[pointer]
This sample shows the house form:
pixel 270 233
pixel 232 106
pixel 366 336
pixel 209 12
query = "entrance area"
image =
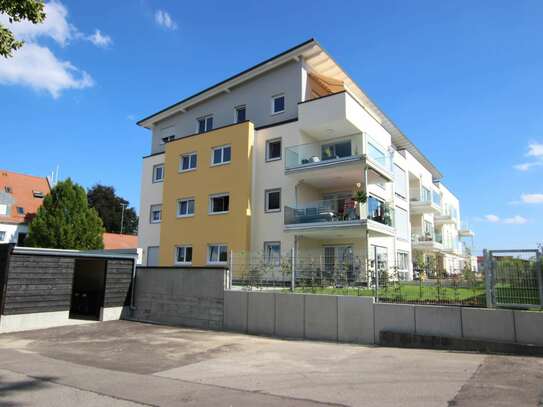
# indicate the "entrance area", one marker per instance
pixel 88 288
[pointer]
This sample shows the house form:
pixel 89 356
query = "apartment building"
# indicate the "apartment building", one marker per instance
pixel 20 197
pixel 269 161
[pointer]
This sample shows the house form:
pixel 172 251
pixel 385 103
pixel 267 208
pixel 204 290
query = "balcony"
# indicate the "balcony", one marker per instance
pixel 425 202
pixel 340 218
pixel 427 242
pixel 444 219
pixel 318 161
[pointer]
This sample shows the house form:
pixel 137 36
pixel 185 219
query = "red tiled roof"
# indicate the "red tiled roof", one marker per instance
pixel 116 241
pixel 21 188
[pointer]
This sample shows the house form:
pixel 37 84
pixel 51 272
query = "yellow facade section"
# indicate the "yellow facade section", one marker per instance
pixel 199 231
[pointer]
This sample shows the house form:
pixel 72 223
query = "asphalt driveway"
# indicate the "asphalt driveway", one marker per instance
pixel 127 363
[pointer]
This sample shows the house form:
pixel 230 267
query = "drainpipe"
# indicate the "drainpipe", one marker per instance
pixel 133 291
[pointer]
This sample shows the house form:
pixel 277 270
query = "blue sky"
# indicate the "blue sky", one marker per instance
pixel 462 79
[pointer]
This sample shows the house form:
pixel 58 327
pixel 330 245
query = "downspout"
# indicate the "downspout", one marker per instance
pixel 133 291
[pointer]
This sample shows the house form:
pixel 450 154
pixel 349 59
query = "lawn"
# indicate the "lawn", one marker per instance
pixel 409 292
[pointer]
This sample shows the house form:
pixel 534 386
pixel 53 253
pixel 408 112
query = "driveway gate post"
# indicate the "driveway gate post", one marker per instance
pixel 488 268
pixel 539 273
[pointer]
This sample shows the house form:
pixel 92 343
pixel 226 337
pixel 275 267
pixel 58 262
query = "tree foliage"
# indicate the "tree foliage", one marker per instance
pixel 18 10
pixel 110 206
pixel 65 221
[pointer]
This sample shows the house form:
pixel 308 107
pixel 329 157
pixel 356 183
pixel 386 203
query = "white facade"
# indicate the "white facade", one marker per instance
pixel 151 194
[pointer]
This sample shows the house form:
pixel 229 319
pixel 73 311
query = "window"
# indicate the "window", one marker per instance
pixel 185 207
pixel 158 173
pixel 272 253
pixel 205 124
pixel 273 150
pixel 241 115
pixel 400 182
pixel 273 200
pixel 167 134
pixel 188 162
pixel 152 256
pixel 183 255
pixel 20 210
pixel 403 260
pixel 167 139
pixel 156 214
pixel 37 194
pixel 428 230
pixel 221 155
pixel 2 235
pixel 219 203
pixel 278 104
pixel 402 223
pixel 3 209
pixel 217 253
pixel 8 189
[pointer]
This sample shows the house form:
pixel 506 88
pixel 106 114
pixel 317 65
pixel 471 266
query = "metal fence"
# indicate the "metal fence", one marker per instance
pixel 514 278
pixel 506 279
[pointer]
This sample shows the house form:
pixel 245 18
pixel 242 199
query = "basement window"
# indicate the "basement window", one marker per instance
pixel 20 210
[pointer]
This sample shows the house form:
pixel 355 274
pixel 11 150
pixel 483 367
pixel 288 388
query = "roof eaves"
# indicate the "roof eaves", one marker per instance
pixel 143 121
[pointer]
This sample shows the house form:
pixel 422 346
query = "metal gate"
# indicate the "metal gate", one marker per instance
pixel 514 278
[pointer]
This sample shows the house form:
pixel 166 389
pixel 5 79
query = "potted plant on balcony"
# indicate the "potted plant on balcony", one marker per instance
pixel 360 197
pixel 387 214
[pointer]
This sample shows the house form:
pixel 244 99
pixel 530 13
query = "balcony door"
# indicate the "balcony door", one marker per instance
pixel 378 260
pixel 335 257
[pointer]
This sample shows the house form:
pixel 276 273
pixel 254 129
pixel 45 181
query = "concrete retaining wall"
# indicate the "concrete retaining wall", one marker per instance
pixel 359 320
pixel 299 316
pixel 192 297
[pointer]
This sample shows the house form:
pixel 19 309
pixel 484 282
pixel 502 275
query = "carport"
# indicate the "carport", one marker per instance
pixel 50 287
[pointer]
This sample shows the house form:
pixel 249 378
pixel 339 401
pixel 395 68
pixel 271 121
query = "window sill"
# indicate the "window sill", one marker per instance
pixel 185 216
pixel 189 170
pixel 272 210
pixel 268 160
pixel 158 181
pixel 189 263
pixel 276 113
pixel 218 213
pixel 219 164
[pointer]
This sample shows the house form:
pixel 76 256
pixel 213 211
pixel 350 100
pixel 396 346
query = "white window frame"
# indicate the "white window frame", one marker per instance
pixel 204 118
pixel 266 200
pixel 4 209
pixel 151 213
pixel 405 188
pixel 279 95
pixel 210 205
pixel 268 260
pixel 19 210
pixel 219 246
pixel 185 247
pixel 402 252
pixel 238 108
pixel 155 179
pixel 213 164
pixel 189 155
pixel 274 140
pixel 186 215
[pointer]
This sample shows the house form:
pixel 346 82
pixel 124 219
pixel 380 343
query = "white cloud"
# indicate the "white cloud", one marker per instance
pixel 532 198
pixel 55 26
pixel 38 68
pixel 515 220
pixel 99 39
pixel 163 19
pixel 535 150
pixel 492 218
pixel 35 65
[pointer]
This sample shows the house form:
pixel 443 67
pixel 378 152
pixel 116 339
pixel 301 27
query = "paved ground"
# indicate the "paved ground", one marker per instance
pixel 132 364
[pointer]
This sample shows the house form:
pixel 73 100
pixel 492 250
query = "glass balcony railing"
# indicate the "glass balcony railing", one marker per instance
pixel 338 210
pixel 436 197
pixel 314 154
pixel 378 154
pixel 336 150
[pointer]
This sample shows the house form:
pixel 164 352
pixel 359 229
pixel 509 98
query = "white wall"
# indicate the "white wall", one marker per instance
pixel 12 231
pixel 151 194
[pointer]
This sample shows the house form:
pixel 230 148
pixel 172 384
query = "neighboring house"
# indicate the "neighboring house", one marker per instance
pixel 118 241
pixel 20 197
pixel 267 160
